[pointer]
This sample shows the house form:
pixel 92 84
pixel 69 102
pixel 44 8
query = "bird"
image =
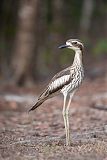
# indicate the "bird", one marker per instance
pixel 66 82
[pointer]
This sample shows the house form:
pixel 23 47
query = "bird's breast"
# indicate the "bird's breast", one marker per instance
pixel 75 82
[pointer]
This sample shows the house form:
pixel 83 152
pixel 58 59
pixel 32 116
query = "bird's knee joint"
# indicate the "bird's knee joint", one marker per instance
pixel 65 114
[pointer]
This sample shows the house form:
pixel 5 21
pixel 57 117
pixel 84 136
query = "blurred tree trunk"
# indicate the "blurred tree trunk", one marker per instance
pixel 8 12
pixel 25 39
pixel 85 24
pixel 105 32
pixel 41 32
pixel 57 27
pixel 85 20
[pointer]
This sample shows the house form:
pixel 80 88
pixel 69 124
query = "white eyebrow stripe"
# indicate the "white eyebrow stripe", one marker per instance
pixel 68 43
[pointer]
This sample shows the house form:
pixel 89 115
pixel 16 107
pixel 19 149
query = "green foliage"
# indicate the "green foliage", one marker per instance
pixel 100 47
pixel 72 13
pixel 49 12
pixel 66 56
pixel 47 56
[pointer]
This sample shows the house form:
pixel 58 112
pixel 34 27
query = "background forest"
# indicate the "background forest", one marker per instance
pixel 30 33
pixel 32 30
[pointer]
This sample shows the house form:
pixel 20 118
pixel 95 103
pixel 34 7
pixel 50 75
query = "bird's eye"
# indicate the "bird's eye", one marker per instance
pixel 74 42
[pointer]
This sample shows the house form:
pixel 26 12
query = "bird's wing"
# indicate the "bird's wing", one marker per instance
pixel 57 83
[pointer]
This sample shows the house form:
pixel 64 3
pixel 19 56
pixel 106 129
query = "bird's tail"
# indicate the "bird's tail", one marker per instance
pixel 38 103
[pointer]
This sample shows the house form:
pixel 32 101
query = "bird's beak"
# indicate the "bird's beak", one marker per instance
pixel 63 46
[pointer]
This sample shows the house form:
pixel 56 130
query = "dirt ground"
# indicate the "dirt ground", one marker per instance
pixel 40 135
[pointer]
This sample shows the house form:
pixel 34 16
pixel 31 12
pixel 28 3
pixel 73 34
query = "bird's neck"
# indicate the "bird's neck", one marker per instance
pixel 78 57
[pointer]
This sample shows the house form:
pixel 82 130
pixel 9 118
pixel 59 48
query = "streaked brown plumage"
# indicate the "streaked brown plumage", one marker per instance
pixel 65 82
pixel 48 92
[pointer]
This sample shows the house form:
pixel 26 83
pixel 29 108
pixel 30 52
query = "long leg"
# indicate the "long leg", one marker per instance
pixel 67 117
pixel 64 116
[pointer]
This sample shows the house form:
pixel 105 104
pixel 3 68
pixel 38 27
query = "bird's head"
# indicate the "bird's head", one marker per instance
pixel 73 44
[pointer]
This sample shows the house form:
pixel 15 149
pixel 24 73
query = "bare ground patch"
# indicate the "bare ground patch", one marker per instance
pixel 41 135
